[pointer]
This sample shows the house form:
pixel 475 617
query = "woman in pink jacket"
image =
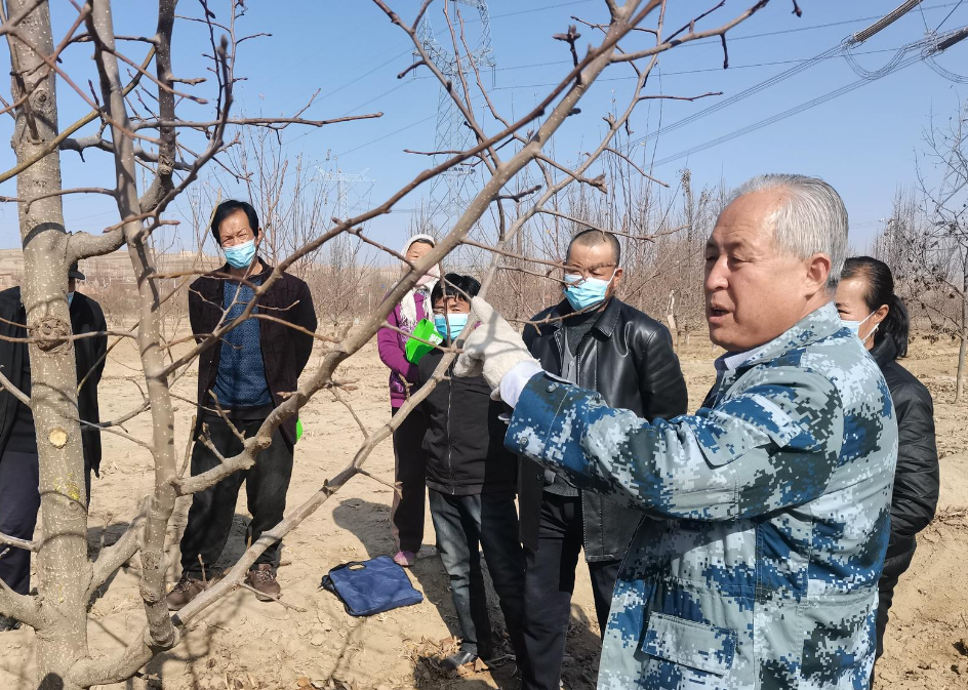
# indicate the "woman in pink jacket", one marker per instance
pixel 407 514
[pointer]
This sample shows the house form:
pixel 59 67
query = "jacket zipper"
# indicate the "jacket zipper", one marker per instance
pixel 561 358
pixel 450 466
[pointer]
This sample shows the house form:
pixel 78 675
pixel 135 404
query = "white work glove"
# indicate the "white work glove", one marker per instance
pixel 492 349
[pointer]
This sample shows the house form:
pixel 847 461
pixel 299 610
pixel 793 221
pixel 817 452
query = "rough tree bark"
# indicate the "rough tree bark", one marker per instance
pixel 62 564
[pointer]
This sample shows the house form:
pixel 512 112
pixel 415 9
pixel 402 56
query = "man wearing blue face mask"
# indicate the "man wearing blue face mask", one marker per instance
pixel 250 373
pixel 471 477
pixel 592 339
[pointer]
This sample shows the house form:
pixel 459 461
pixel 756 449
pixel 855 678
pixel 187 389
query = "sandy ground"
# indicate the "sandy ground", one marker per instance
pixel 243 644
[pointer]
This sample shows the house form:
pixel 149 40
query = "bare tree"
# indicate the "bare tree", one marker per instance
pixel 136 134
pixel 927 240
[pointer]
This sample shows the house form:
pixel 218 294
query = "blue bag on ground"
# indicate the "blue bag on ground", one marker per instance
pixel 373 586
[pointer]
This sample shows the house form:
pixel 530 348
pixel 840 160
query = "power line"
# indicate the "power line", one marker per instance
pixel 385 136
pixel 772 63
pixel 923 18
pixel 578 2
pixel 746 93
pixel 886 21
pixel 800 65
pixel 955 9
pixel 535 9
pixel 766 34
pixel 933 46
pixel 365 74
pixel 859 37
pixel 780 116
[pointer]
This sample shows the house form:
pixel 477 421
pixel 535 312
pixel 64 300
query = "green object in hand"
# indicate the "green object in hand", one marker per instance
pixel 416 347
pixel 298 429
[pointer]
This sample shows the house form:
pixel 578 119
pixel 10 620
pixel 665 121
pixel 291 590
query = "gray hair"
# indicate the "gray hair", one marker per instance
pixel 813 220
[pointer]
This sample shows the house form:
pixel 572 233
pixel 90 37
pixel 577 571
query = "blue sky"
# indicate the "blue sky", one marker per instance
pixel 863 142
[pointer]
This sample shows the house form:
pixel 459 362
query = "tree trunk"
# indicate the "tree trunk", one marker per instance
pixel 62 564
pixel 671 321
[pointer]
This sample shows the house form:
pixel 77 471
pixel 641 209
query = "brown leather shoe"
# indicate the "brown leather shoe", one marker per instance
pixel 262 578
pixel 188 588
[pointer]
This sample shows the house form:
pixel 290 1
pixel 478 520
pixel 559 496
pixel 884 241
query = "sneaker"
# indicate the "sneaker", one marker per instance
pixel 455 661
pixel 262 579
pixel 404 559
pixel 188 588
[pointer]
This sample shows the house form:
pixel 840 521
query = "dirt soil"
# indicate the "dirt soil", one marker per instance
pixel 242 644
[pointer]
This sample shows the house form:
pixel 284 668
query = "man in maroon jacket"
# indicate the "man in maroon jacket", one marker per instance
pixel 247 375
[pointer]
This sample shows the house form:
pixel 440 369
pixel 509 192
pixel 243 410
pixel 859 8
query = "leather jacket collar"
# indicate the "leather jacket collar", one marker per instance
pixel 605 323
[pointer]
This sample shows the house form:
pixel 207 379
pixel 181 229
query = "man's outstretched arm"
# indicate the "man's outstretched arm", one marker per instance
pixel 767 448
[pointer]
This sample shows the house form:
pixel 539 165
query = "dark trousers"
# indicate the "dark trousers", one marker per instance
pixel 549 582
pixel 893 569
pixel 19 505
pixel 409 472
pixel 210 518
pixel 491 521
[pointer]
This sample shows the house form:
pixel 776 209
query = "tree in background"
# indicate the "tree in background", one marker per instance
pixel 926 238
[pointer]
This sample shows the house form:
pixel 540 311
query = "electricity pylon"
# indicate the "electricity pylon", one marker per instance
pixel 449 199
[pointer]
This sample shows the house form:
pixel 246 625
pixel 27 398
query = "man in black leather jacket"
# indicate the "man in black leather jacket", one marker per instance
pixel 598 342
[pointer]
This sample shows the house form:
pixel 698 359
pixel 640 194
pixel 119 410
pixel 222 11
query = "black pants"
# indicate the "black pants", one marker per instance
pixel 893 569
pixel 210 518
pixel 549 582
pixel 491 521
pixel 410 471
pixel 19 505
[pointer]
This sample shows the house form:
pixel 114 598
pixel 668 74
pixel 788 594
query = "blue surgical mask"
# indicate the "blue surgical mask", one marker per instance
pixel 587 293
pixel 241 255
pixel 70 297
pixel 854 327
pixel 456 322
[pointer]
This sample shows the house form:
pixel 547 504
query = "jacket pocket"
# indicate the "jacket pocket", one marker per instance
pixel 697 646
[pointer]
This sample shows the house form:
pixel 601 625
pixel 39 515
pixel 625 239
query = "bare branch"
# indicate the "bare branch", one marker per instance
pixel 693 35
pixel 680 98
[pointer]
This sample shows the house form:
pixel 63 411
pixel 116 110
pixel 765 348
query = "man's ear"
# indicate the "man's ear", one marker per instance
pixel 617 279
pixel 818 271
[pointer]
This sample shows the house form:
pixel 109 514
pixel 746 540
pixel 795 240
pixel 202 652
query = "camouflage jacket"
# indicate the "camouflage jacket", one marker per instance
pixel 775 501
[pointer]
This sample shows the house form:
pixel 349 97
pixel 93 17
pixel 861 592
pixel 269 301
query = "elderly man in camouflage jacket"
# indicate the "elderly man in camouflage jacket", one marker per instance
pixel 774 496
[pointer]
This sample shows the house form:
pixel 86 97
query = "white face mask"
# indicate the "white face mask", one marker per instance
pixel 854 327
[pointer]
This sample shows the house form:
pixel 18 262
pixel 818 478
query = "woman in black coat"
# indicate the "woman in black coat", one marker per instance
pixel 868 306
